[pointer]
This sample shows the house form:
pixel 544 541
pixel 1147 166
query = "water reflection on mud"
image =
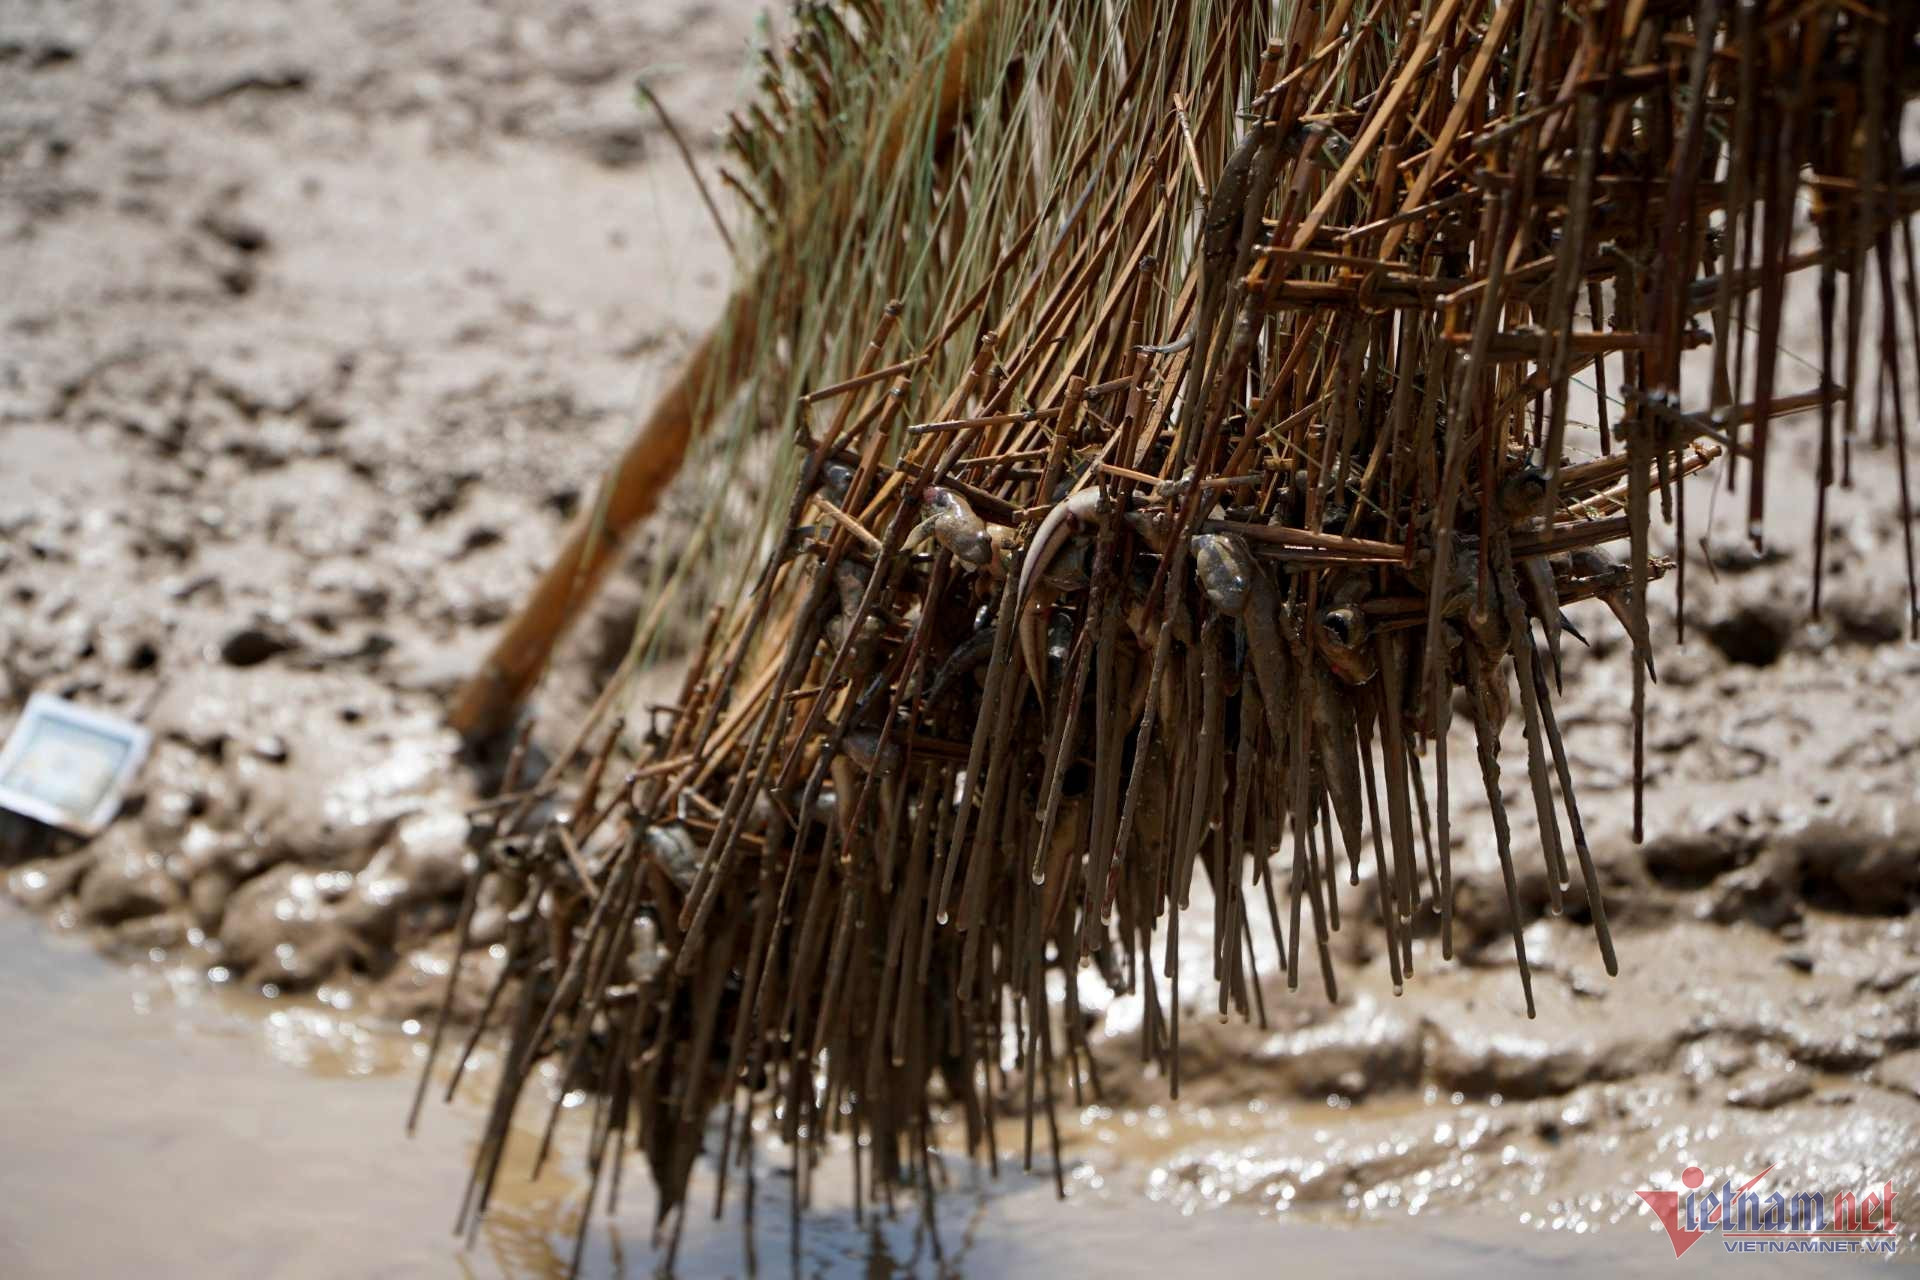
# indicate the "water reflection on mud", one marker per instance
pixel 161 1127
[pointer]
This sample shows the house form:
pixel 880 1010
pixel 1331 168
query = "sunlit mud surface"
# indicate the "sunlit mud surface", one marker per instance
pixel 159 1126
pixel 164 1127
pixel 321 320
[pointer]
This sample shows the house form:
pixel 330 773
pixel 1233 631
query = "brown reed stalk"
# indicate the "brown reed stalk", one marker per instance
pixel 1195 432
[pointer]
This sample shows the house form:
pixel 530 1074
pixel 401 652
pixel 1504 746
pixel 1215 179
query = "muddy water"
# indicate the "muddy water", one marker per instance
pixel 159 1126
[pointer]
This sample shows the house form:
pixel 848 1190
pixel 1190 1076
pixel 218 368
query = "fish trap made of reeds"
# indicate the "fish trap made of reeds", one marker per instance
pixel 1198 409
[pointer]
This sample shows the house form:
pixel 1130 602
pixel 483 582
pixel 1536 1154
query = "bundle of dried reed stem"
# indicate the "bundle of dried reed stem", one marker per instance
pixel 1185 405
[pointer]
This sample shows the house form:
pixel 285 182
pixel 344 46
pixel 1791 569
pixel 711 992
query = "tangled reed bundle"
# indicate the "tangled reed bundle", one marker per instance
pixel 1185 398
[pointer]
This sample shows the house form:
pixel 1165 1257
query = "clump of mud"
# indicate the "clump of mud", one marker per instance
pixel 1767 1010
pixel 285 434
pixel 285 832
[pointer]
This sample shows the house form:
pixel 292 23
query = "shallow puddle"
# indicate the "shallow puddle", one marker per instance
pixel 160 1127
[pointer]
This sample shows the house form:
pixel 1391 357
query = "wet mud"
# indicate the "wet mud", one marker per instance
pixel 161 1126
pixel 321 323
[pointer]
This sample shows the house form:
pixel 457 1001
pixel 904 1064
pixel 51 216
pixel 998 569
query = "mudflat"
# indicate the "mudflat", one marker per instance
pixel 320 325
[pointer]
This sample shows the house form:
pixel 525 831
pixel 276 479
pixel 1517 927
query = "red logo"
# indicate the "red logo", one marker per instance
pixel 1749 1221
pixel 1666 1207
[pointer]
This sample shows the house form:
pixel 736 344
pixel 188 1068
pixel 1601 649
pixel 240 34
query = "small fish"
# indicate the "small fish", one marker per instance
pixel 835 479
pixel 1520 493
pixel 864 748
pixel 1224 568
pixel 1337 757
pixel 647 957
pixel 951 522
pixel 1343 635
pixel 1065 519
pixel 970 654
pixel 1543 601
pixel 1036 593
pixel 672 846
pixel 1591 562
